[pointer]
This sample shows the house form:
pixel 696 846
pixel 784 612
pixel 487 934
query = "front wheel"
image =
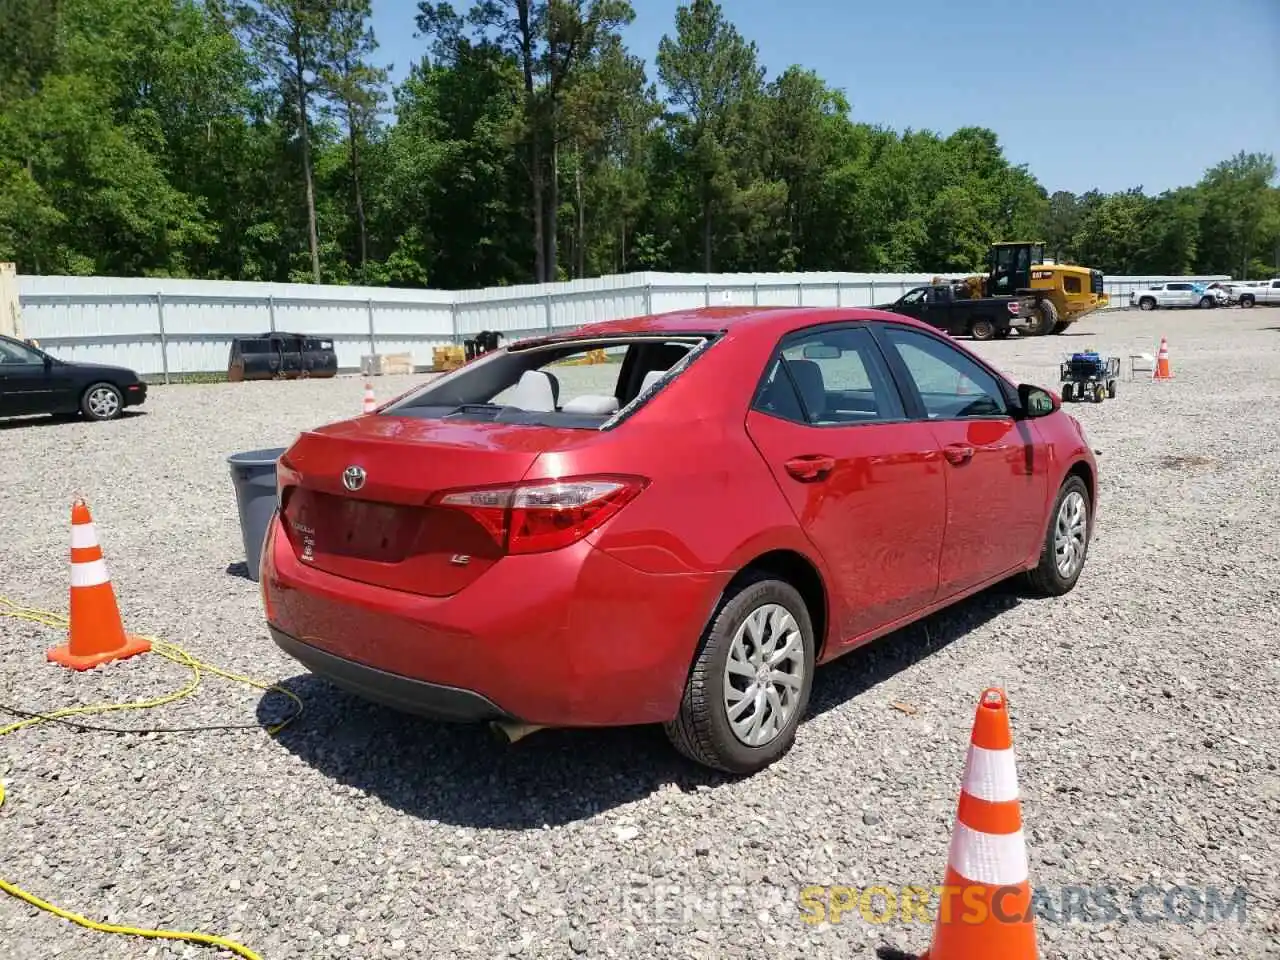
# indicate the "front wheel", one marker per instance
pixel 1066 543
pixel 1146 303
pixel 1207 302
pixel 102 401
pixel 749 686
pixel 1246 301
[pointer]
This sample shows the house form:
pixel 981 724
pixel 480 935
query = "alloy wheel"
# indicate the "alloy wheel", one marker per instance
pixel 1069 534
pixel 764 674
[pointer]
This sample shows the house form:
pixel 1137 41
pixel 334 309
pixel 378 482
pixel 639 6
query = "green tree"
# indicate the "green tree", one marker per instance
pixel 714 80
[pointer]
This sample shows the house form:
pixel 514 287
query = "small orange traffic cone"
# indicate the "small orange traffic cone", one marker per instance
pixel 96 634
pixel 985 909
pixel 370 402
pixel 1163 368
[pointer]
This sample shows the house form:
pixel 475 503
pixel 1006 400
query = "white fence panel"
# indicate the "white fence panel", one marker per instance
pixel 161 327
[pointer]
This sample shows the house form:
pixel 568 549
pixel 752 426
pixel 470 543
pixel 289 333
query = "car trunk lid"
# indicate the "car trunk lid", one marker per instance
pixel 386 532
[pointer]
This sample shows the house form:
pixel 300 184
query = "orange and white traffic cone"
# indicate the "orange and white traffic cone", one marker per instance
pixel 1164 367
pixel 370 402
pixel 985 909
pixel 96 634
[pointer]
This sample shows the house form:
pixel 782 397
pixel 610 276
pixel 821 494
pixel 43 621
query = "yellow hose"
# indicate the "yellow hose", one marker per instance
pixel 170 652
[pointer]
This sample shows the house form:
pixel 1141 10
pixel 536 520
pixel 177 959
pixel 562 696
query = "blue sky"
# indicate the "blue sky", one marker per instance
pixel 1090 93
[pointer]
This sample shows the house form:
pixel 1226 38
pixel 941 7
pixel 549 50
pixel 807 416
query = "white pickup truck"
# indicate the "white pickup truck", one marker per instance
pixel 1175 293
pixel 1267 291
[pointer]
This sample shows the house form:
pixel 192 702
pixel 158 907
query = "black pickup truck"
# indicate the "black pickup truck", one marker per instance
pixel 939 306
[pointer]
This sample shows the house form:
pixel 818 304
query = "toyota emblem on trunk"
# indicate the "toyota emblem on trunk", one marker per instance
pixel 353 477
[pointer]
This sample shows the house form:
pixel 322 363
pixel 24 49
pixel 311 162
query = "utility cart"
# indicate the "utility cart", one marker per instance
pixel 1087 375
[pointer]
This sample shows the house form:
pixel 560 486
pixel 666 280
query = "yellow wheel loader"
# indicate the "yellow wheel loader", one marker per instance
pixel 1051 296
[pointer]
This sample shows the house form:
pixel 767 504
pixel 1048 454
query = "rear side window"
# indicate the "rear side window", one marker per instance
pixel 1072 284
pixel 828 377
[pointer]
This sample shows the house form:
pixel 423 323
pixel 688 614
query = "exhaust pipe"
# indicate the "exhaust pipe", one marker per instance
pixel 511 732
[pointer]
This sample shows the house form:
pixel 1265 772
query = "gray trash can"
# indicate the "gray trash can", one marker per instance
pixel 254 475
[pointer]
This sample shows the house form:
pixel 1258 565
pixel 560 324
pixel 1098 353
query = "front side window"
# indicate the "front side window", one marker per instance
pixel 1072 284
pixel 950 385
pixel 15 353
pixel 830 377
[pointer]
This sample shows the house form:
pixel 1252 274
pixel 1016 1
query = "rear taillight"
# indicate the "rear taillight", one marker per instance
pixel 1013 307
pixel 286 477
pixel 545 515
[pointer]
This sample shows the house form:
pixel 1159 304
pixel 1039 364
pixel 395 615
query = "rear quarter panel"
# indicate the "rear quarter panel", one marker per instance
pixel 712 504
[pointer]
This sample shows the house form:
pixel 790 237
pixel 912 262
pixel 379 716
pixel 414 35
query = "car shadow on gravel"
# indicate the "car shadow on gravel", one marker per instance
pixel 46 420
pixel 461 774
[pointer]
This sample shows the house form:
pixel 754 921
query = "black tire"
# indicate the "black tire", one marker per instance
pixel 1247 301
pixel 982 329
pixel 1045 579
pixel 101 401
pixel 1042 319
pixel 1147 303
pixel 1111 389
pixel 1059 327
pixel 1067 390
pixel 701 729
pixel 1206 303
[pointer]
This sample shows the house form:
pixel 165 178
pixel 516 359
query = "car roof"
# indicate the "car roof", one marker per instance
pixel 704 320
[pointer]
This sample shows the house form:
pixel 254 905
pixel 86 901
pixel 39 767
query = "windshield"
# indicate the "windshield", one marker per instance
pixel 577 382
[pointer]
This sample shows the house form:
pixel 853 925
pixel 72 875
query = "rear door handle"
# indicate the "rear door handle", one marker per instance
pixel 810 467
pixel 958 453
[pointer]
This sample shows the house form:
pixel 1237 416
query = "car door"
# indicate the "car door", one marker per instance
pixel 912 303
pixel 996 466
pixel 865 482
pixel 27 383
pixel 1272 292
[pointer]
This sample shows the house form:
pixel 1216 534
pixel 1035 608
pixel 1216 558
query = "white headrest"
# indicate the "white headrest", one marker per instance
pixel 589 403
pixel 650 378
pixel 535 391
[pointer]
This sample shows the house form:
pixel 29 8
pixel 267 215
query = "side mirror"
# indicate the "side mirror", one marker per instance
pixel 1036 402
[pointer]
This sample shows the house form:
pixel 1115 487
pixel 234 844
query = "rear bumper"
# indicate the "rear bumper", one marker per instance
pixel 135 394
pixel 568 638
pixel 434 700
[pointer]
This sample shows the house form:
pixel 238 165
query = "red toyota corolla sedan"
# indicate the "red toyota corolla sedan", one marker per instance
pixel 756 491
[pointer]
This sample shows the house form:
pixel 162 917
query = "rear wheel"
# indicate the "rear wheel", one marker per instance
pixel 1147 303
pixel 749 686
pixel 1067 389
pixel 1111 389
pixel 1247 300
pixel 982 329
pixel 1207 302
pixel 1066 543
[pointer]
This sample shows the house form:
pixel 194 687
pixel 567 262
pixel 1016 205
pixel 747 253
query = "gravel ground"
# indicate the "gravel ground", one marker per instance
pixel 1144 705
